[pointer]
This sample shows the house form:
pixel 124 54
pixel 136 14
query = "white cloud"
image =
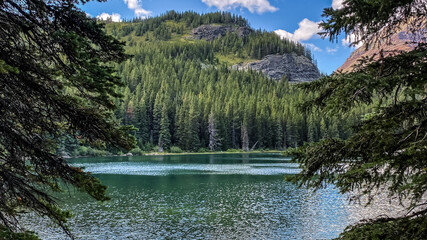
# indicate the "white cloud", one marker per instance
pixel 307 29
pixel 312 47
pixel 284 34
pixel 259 6
pixel 350 39
pixel 135 5
pixel 337 4
pixel 331 50
pixel 115 17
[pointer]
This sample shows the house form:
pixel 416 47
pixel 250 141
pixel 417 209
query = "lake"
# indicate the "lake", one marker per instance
pixel 210 196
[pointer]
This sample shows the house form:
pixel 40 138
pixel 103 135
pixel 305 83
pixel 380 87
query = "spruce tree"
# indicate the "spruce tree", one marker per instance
pixel 245 136
pixel 192 126
pixel 164 134
pixel 214 141
pixel 387 151
pixel 312 130
pixel 142 123
pixel 157 117
pixel 55 79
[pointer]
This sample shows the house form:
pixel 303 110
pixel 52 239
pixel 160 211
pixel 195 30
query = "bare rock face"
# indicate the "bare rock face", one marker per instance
pixel 210 32
pixel 401 41
pixel 244 31
pixel 295 68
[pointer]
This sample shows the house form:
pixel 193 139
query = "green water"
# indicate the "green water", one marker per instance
pixel 235 196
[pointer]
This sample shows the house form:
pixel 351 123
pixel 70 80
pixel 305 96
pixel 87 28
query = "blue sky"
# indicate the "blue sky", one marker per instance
pixel 292 19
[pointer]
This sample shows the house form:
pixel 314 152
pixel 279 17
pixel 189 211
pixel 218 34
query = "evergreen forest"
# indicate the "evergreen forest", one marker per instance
pixel 183 94
pixel 74 86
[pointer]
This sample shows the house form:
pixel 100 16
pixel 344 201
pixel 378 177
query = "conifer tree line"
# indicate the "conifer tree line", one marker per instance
pixel 180 103
pixel 179 94
pixel 255 44
pixel 191 19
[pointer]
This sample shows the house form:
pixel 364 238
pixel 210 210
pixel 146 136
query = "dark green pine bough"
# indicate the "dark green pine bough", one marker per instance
pixel 388 150
pixel 55 78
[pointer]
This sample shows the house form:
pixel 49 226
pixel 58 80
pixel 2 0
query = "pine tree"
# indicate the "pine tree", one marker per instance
pixel 142 123
pixel 387 150
pixel 214 141
pixel 55 79
pixel 278 133
pixel 180 128
pixel 312 130
pixel 333 129
pixel 191 138
pixel 245 137
pixel 292 135
pixel 324 132
pixel 157 117
pixel 164 134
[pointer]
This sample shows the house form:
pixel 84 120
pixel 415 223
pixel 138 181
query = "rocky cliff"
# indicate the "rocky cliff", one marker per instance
pixel 398 42
pixel 295 68
pixel 210 32
pixel 292 66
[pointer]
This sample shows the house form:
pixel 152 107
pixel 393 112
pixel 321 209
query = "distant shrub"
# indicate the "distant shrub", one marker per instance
pixel 136 151
pixel 96 152
pixel 233 150
pixel 146 147
pixel 175 149
pixel 79 151
pixel 202 150
pixel 88 151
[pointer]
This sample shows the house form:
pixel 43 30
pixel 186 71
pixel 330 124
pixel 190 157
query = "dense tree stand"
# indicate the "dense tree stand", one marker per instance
pixel 55 78
pixel 388 149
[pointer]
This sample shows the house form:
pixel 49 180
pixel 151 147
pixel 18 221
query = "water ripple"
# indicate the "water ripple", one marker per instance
pixel 159 169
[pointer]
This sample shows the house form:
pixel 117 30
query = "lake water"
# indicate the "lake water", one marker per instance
pixel 224 196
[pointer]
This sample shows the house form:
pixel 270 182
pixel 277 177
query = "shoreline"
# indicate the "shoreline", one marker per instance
pixel 171 154
pixel 206 153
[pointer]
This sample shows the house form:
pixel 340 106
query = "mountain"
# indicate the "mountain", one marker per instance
pixel 181 91
pixel 233 42
pixel 294 67
pixel 398 42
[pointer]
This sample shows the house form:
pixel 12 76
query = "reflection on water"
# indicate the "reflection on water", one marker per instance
pixel 243 164
pixel 237 196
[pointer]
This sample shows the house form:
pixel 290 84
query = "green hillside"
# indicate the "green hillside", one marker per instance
pixel 175 28
pixel 182 92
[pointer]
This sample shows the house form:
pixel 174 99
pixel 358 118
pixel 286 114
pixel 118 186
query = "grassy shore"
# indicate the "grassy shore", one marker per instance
pixel 153 153
pixel 200 153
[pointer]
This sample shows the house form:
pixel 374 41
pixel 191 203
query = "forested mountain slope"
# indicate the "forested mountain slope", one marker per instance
pixel 181 90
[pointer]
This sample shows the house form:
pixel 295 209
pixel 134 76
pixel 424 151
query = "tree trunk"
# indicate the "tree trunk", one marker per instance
pixel 245 138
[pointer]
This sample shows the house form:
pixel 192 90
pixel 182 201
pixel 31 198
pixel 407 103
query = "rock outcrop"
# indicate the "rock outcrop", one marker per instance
pixel 401 41
pixel 210 32
pixel 295 68
pixel 244 31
